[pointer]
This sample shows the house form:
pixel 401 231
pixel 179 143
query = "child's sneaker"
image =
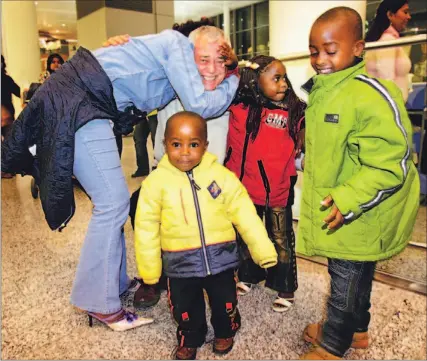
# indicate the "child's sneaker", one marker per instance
pixel 146 296
pixel 223 346
pixel 360 339
pixel 185 353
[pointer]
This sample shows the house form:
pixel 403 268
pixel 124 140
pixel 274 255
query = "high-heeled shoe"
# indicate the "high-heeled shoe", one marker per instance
pixel 127 321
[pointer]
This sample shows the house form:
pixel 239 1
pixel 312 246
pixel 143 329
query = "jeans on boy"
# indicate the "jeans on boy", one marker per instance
pixel 348 304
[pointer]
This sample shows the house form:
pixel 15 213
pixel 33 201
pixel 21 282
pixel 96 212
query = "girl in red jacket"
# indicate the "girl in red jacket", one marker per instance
pixel 265 120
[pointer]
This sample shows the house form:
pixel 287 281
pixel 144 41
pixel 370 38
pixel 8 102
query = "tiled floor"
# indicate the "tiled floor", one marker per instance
pixel 39 323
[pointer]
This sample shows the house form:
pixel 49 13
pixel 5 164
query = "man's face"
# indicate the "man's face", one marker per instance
pixel 209 62
pixel 333 46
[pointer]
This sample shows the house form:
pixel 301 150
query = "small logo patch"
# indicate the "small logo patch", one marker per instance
pixel 214 190
pixel 332 118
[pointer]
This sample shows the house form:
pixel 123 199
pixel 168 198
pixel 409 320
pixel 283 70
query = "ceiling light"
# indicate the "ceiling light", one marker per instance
pixel 63 24
pixel 57 31
pixel 35 2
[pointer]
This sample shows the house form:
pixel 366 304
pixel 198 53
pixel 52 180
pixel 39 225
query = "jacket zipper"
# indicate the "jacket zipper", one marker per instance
pixel 265 182
pixel 245 149
pixel 194 188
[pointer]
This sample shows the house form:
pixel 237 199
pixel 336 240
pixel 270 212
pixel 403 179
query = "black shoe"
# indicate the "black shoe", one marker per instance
pixel 146 296
pixel 140 173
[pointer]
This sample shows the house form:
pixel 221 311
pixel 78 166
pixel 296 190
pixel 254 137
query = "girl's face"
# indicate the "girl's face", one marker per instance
pixel 56 64
pixel 400 19
pixel 272 81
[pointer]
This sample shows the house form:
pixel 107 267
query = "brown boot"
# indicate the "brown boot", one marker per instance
pixel 185 353
pixel 222 346
pixel 360 339
pixel 319 353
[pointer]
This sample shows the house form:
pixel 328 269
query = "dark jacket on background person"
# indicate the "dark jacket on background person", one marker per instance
pixel 76 93
pixel 9 87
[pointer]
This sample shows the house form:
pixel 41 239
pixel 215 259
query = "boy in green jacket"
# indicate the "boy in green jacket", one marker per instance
pixel 361 187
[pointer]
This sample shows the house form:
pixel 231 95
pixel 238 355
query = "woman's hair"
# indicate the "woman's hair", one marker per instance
pixel 187 27
pixel 381 21
pixel 50 59
pixel 250 95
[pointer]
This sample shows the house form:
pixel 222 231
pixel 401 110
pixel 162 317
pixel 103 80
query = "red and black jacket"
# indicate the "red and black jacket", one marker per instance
pixel 266 164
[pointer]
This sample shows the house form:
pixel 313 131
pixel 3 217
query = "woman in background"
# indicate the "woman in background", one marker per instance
pixel 391 63
pixel 54 62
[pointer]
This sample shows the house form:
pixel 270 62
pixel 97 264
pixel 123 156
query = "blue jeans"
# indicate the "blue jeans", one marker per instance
pixel 348 304
pixel 101 273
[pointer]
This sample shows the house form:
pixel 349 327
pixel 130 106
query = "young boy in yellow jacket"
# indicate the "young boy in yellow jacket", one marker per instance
pixel 184 221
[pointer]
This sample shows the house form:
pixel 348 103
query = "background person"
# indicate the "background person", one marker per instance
pixel 391 63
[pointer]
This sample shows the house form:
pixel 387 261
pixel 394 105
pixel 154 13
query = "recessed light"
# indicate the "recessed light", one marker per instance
pixel 57 31
pixel 35 2
pixel 63 24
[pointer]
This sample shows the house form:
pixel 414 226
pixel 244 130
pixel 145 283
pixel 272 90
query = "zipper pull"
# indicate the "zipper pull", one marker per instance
pixel 190 175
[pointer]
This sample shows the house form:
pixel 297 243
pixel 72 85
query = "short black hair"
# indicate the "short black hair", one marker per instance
pixel 345 12
pixel 187 114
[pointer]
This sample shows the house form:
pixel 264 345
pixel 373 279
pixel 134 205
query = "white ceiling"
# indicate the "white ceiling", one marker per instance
pixel 59 18
pixel 194 10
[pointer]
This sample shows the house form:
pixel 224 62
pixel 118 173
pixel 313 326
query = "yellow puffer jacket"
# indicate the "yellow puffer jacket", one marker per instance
pixel 189 224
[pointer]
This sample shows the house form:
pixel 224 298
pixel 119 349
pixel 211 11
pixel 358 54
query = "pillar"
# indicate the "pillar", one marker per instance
pixel 227 22
pixel 115 17
pixel 20 44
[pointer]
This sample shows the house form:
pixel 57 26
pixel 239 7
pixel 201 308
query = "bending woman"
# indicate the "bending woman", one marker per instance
pixel 69 121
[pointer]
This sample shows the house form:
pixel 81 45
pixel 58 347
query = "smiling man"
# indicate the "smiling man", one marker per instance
pixel 207 42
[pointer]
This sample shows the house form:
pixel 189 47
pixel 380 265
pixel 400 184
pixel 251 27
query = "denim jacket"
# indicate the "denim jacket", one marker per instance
pixel 149 71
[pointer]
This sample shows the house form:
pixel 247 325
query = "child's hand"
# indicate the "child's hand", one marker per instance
pixel 230 58
pixel 334 219
pixel 116 40
pixel 300 142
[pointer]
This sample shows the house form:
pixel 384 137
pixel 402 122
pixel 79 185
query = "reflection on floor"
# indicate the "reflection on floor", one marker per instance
pixel 38 322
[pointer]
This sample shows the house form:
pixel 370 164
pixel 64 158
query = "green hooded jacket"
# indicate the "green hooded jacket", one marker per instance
pixel 358 150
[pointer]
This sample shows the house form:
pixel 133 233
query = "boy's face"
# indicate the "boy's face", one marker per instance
pixel 333 46
pixel 185 143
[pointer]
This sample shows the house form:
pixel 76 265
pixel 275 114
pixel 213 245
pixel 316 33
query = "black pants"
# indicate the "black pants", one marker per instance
pixel 283 276
pixel 119 142
pixel 348 304
pixel 187 304
pixel 140 136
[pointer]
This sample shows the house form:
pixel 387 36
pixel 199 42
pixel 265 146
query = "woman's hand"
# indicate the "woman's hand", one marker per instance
pixel 116 40
pixel 230 58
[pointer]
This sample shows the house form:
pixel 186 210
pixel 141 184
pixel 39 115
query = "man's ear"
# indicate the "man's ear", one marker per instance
pixel 359 47
pixel 206 145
